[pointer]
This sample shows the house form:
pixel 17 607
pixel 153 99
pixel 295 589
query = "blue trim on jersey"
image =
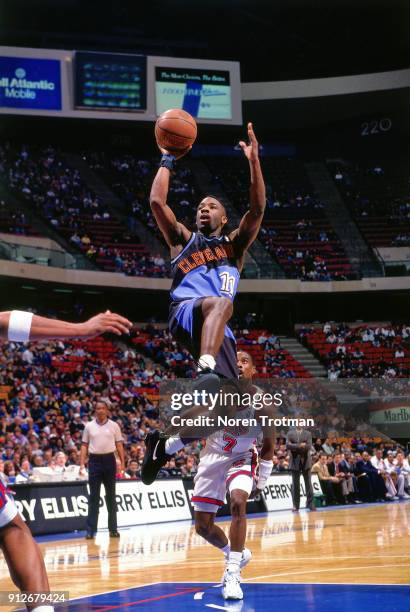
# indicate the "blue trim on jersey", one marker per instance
pixel 188 244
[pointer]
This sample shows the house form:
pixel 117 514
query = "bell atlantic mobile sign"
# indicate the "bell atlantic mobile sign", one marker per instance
pixel 30 83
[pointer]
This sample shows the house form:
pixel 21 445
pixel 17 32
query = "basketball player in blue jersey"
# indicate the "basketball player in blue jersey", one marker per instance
pixel 206 266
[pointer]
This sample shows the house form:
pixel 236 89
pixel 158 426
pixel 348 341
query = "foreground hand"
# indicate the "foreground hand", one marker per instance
pixel 106 322
pixel 250 150
pixel 177 153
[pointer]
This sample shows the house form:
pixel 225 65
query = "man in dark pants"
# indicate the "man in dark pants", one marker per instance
pixel 101 438
pixel 299 443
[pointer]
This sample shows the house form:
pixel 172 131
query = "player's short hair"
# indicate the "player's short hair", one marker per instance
pixel 218 200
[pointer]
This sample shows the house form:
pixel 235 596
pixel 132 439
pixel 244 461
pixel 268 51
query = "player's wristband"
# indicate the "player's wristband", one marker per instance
pixel 167 161
pixel 265 470
pixel 19 326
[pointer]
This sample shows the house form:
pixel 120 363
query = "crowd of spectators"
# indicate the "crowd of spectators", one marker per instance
pixel 378 195
pixel 361 351
pixel 131 178
pixel 13 220
pixel 361 472
pixel 295 230
pixel 57 192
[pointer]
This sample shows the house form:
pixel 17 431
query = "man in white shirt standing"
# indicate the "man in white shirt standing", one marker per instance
pixel 101 438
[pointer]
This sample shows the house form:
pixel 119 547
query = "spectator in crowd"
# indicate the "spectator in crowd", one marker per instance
pixel 25 472
pixel 346 466
pixel 133 469
pixel 404 466
pixel 327 447
pixel 327 482
pixel 378 489
pixel 9 472
pixel 379 463
pixel 394 470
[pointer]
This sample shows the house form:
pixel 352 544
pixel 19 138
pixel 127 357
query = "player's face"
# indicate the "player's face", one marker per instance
pixel 245 365
pixel 210 216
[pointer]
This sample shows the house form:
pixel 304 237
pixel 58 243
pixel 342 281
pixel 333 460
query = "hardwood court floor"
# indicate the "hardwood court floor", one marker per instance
pixel 355 545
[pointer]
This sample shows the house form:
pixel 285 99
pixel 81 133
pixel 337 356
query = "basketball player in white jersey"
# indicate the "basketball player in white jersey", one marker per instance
pixel 21 552
pixel 229 462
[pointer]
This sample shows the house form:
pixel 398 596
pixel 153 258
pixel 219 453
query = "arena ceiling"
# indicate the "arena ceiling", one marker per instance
pixel 273 39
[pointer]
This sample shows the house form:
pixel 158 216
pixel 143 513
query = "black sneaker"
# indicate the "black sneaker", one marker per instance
pixel 207 380
pixel 155 457
pixel 89 535
pixel 114 534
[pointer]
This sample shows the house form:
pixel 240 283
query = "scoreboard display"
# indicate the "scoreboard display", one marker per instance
pixel 205 94
pixel 110 81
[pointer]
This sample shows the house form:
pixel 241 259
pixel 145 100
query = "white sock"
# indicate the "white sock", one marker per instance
pixel 226 550
pixel 43 609
pixel 234 561
pixel 173 445
pixel 206 361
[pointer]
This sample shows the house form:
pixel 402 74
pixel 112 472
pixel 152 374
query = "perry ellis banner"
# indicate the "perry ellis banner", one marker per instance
pixel 53 507
pixel 278 495
pixel 60 507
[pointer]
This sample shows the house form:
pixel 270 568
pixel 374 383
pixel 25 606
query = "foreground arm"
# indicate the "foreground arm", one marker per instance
pixel 175 233
pixel 20 326
pixel 252 219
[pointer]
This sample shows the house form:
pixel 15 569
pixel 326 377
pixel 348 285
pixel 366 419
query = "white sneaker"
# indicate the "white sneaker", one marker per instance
pixel 231 586
pixel 246 557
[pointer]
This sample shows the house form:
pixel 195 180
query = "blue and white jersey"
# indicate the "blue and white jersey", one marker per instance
pixel 206 267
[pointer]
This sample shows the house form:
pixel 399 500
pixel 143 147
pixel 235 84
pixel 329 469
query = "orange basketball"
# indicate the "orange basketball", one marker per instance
pixel 175 130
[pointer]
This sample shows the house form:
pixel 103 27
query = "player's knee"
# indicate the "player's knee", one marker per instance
pixel 203 526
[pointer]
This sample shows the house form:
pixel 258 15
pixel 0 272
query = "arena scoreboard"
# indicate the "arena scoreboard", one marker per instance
pixel 204 93
pixel 110 81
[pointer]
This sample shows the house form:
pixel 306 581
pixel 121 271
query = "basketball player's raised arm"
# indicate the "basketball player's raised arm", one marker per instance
pixel 252 219
pixel 21 326
pixel 174 232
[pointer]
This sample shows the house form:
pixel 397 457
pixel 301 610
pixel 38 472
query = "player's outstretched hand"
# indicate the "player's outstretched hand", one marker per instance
pixel 106 322
pixel 251 150
pixel 176 154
